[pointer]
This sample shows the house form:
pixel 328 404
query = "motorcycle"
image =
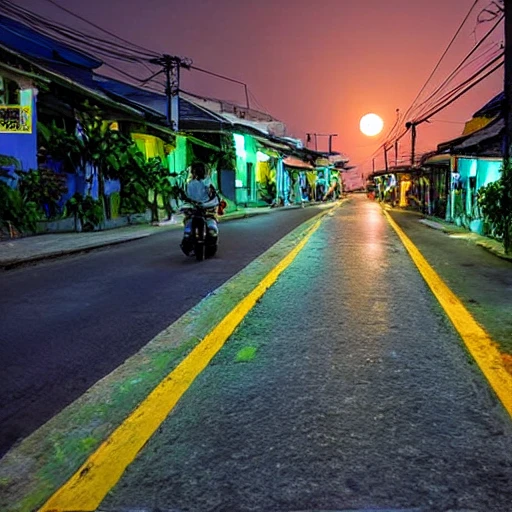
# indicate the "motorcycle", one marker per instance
pixel 201 233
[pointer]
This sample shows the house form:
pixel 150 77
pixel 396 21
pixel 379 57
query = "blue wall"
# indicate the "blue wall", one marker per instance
pixel 22 146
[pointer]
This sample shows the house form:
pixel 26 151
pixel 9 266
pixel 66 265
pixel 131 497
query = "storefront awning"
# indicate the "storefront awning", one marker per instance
pixel 297 163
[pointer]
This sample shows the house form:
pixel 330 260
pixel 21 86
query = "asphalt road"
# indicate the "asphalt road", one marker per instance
pixel 480 279
pixel 67 323
pixel 360 396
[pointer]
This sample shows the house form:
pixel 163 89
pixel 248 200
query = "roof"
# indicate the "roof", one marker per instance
pixel 61 79
pixel 190 115
pixel 484 142
pixel 297 163
pixel 23 39
pixel 492 107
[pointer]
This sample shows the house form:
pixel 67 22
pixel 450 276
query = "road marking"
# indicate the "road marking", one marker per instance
pixel 479 343
pixel 87 488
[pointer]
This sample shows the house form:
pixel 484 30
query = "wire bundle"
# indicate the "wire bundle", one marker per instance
pixel 486 58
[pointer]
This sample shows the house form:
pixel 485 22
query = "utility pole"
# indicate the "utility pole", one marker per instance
pixel 330 135
pixel 373 165
pixel 507 110
pixel 171 66
pixel 412 126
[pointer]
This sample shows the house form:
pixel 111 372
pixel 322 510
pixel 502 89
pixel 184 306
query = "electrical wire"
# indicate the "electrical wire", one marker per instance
pixel 462 65
pixel 40 20
pixel 442 57
pixel 448 98
pixel 150 53
pixel 79 40
pixel 469 87
pixel 460 86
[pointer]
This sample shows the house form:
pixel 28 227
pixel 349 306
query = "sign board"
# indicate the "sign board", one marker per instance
pixel 15 119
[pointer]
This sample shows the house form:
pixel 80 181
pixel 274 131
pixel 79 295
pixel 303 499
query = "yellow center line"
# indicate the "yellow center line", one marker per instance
pixel 480 345
pixel 87 488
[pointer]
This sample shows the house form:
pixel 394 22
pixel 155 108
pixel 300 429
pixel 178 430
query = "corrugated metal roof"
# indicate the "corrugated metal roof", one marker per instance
pixel 483 141
pixel 23 39
pixel 291 161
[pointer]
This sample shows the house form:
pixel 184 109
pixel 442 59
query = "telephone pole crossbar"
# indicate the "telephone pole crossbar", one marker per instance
pixel 171 66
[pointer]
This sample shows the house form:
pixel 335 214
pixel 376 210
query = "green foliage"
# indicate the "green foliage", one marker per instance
pixel 16 211
pixel 111 155
pixel 98 146
pixel 45 188
pixel 62 146
pixel 115 204
pixel 9 161
pixel 495 201
pixel 223 159
pixel 139 178
pixel 87 209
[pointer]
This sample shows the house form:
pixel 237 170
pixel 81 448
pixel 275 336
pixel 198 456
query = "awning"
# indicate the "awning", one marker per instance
pixel 440 159
pixel 277 146
pixel 297 163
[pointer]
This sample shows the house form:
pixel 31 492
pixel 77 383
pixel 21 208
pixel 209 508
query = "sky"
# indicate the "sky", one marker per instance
pixel 316 65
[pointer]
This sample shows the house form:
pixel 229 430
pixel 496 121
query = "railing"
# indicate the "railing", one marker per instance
pixel 15 119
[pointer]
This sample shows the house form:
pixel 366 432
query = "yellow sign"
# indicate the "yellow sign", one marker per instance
pixel 15 119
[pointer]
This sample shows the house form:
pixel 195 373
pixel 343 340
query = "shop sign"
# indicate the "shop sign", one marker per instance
pixel 15 119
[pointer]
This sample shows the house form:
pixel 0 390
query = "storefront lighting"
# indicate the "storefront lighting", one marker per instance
pixel 262 157
pixel 240 145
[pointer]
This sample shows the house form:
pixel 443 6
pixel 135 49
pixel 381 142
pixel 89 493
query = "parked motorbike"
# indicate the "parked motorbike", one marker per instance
pixel 201 235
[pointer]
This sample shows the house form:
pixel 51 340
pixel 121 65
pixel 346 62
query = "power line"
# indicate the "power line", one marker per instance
pixel 151 53
pixel 223 77
pixel 461 65
pixel 462 84
pixel 443 56
pixel 59 31
pixel 469 87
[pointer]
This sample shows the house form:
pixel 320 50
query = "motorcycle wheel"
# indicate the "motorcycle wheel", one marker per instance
pixel 199 251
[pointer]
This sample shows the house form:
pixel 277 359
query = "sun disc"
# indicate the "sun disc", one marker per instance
pixel 371 125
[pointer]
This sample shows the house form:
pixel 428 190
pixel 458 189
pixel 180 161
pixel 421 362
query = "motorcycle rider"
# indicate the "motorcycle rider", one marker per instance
pixel 200 190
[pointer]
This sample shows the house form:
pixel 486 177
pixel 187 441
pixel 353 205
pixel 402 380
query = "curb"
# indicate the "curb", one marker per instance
pixel 58 253
pixel 493 250
pixel 10 264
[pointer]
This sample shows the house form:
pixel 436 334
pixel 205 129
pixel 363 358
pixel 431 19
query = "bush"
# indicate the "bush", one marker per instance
pixel 45 188
pixel 87 209
pixel 495 201
pixel 16 212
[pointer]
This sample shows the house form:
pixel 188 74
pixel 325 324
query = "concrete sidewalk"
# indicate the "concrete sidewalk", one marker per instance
pixel 454 231
pixel 19 251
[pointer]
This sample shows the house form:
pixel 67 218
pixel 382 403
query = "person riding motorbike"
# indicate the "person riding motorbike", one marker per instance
pixel 201 192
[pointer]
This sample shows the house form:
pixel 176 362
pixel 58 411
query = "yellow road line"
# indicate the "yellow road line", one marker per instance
pixel 87 488
pixel 479 343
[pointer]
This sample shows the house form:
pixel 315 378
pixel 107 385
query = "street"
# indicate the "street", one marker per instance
pixel 68 323
pixel 360 396
pixel 348 345
pixel 345 388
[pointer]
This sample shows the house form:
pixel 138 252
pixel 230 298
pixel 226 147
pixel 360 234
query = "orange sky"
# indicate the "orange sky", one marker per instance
pixel 316 65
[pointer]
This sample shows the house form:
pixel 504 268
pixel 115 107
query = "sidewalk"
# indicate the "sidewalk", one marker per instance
pixel 35 248
pixel 454 231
